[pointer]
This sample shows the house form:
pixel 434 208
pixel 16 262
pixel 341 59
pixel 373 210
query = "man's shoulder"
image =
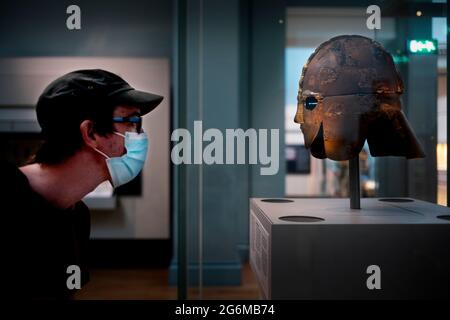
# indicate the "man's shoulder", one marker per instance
pixel 80 206
pixel 7 167
pixel 13 179
pixel 16 195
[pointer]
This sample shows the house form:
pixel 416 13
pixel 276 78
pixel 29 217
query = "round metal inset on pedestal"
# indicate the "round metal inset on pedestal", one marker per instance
pixel 277 200
pixel 396 200
pixel 301 219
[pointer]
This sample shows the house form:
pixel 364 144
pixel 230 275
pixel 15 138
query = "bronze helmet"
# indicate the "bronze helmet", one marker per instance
pixel 349 92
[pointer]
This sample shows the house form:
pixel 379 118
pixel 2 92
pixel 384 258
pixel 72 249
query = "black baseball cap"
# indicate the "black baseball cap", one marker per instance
pixel 75 95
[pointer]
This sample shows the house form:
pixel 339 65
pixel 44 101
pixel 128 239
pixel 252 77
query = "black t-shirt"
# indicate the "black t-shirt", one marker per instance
pixel 44 240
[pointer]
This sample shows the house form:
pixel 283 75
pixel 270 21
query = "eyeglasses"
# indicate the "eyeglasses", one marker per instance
pixel 136 120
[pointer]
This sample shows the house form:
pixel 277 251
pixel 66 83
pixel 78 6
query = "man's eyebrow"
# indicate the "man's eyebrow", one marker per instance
pixel 134 114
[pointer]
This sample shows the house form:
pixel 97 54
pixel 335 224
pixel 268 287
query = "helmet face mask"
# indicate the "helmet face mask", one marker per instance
pixel 349 93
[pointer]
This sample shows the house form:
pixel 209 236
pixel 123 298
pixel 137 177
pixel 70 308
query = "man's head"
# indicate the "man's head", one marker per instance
pixel 83 109
pixel 349 93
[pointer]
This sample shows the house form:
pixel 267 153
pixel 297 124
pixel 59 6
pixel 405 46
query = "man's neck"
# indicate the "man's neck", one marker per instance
pixel 67 183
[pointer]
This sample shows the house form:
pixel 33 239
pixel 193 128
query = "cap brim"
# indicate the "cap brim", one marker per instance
pixel 144 100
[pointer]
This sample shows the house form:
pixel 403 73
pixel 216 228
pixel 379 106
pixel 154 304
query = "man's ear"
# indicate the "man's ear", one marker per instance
pixel 87 133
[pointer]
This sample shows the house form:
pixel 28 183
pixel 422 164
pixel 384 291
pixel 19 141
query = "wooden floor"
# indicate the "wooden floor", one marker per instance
pixel 149 284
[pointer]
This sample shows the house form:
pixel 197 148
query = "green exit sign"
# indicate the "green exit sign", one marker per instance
pixel 423 46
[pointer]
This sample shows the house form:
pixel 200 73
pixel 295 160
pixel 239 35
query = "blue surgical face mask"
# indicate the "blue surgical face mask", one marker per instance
pixel 125 168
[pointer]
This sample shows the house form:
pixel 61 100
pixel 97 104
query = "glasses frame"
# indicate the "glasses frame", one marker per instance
pixel 132 119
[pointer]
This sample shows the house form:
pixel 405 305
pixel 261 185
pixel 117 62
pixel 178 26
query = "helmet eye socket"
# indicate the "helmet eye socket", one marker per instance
pixel 310 103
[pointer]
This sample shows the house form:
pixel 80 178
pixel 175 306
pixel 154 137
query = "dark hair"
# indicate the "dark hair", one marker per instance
pixel 65 139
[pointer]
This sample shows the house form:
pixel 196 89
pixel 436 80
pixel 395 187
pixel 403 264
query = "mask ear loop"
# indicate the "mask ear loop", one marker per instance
pixel 116 133
pixel 102 153
pixel 123 136
pixel 119 134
